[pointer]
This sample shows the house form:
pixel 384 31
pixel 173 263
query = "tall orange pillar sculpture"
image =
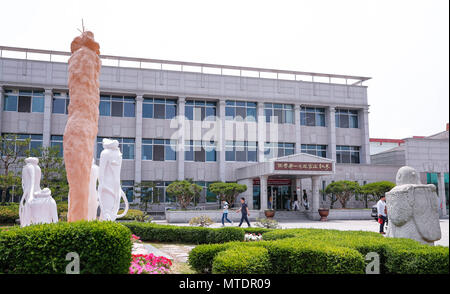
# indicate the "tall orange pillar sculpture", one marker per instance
pixel 82 124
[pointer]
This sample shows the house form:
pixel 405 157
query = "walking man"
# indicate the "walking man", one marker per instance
pixel 225 213
pixel 244 211
pixel 296 206
pixel 305 200
pixel 382 217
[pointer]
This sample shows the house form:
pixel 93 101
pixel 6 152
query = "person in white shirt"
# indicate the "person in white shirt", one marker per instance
pixel 225 213
pixel 382 216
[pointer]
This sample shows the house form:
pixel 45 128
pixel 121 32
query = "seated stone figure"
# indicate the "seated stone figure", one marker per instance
pixel 413 208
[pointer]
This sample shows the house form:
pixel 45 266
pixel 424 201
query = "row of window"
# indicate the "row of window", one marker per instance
pixel 198 151
pixel 162 108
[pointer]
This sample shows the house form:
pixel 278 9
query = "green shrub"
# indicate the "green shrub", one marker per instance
pixel 201 221
pixel 253 230
pixel 132 214
pixel 181 234
pixel 226 235
pixel 201 257
pixel 9 213
pixel 103 248
pixel 242 260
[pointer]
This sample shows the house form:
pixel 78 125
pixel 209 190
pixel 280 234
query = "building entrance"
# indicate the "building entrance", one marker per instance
pixel 279 191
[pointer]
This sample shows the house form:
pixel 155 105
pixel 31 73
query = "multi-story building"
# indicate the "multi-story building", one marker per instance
pixel 182 120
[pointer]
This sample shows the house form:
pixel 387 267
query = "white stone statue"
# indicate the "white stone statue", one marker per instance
pixel 43 208
pixel 109 188
pixel 93 193
pixel 31 179
pixel 413 208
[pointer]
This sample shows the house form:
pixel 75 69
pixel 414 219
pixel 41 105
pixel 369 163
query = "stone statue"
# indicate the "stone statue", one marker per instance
pixel 93 193
pixel 413 208
pixel 31 179
pixel 43 208
pixel 109 188
pixel 82 123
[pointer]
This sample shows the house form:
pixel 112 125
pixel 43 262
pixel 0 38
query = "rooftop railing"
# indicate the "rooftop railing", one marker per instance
pixel 183 66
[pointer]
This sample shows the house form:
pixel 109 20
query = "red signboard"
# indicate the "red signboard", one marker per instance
pixel 304 166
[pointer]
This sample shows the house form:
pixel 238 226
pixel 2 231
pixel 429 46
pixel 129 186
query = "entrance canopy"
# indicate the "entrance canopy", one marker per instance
pixel 298 165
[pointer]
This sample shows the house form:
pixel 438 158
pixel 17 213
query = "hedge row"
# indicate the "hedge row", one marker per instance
pixel 329 251
pixel 103 247
pixel 193 235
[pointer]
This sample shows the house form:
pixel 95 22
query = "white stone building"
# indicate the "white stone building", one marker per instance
pixel 206 122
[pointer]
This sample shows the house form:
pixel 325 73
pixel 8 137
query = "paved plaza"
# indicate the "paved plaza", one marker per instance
pixel 344 225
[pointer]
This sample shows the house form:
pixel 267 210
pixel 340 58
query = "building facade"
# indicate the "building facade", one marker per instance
pixel 180 120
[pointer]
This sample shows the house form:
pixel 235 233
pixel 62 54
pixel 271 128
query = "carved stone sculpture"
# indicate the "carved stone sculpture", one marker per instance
pixel 413 208
pixel 93 193
pixel 109 189
pixel 82 123
pixel 31 179
pixel 43 208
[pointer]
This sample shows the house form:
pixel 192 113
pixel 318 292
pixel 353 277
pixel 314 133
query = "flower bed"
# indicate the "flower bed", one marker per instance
pixel 149 264
pixel 252 237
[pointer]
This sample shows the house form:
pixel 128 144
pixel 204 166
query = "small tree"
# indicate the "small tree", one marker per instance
pixel 184 191
pixel 11 149
pixel 227 191
pixel 373 191
pixel 147 193
pixel 343 190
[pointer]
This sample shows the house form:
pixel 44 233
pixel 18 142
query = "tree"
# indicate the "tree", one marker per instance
pixel 11 149
pixel 373 191
pixel 343 190
pixel 53 170
pixel 227 191
pixel 147 193
pixel 184 191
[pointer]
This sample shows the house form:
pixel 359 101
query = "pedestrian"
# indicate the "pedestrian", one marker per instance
pixel 296 206
pixel 270 202
pixel 244 211
pixel 225 213
pixel 305 200
pixel 287 201
pixel 382 213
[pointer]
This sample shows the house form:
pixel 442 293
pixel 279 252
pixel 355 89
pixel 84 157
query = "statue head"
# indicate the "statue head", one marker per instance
pixel 407 175
pixel 110 144
pixel 32 160
pixel 86 39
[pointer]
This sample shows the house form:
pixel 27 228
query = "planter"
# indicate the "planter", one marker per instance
pixel 269 213
pixel 323 212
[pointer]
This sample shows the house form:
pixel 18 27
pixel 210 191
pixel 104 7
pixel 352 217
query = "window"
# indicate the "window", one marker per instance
pixel 200 151
pixel 346 118
pixel 159 149
pixel 57 141
pixel 347 154
pixel 117 105
pixel 205 194
pixel 245 110
pixel 60 102
pixel 312 116
pixel 279 113
pixel 241 151
pixel 126 146
pixel 128 189
pixel 159 108
pixel 24 100
pixel 274 150
pixel 200 110
pixel 34 144
pixel 313 149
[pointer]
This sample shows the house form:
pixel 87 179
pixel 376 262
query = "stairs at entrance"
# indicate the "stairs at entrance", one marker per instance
pixel 284 216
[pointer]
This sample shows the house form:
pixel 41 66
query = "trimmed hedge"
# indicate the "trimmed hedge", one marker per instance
pixel 131 214
pixel 193 235
pixel 103 248
pixel 244 260
pixel 332 251
pixel 9 213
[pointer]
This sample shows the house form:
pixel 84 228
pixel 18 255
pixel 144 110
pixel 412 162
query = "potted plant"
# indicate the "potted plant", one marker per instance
pixel 269 213
pixel 323 212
